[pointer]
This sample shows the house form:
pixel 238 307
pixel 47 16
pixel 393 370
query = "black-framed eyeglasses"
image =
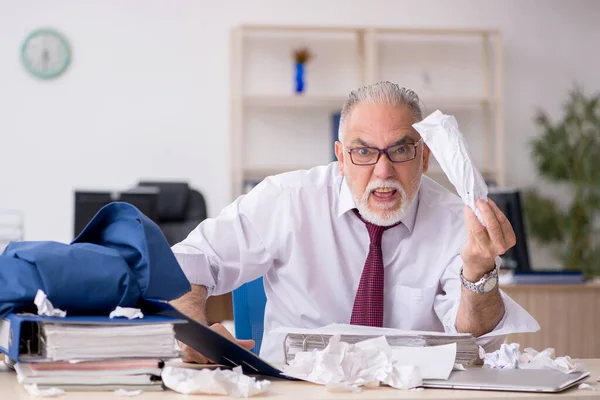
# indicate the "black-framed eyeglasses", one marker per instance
pixel 397 153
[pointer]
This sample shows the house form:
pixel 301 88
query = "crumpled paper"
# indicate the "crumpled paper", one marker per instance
pixel 441 134
pixel 129 312
pixel 509 357
pixel 344 366
pixel 34 390
pixel 127 393
pixel 587 386
pixel 213 381
pixel 45 307
pixel 458 367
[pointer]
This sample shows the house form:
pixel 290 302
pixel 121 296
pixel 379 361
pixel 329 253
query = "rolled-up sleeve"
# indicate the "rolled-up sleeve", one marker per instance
pixel 239 245
pixel 515 319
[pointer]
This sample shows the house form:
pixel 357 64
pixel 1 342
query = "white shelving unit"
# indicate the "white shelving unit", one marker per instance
pixel 274 130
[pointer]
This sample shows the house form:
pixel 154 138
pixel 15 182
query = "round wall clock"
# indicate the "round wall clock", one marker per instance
pixel 45 53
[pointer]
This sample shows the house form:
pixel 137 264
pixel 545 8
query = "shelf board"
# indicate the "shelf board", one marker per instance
pixel 364 28
pixel 337 102
pixel 295 101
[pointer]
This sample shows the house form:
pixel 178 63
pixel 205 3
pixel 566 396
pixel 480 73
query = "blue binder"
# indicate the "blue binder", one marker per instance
pixel 20 334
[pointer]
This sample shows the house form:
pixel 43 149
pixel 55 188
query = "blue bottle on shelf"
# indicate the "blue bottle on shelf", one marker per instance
pixel 299 78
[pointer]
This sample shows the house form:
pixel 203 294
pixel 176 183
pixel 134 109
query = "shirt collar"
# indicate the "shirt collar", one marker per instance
pixel 346 203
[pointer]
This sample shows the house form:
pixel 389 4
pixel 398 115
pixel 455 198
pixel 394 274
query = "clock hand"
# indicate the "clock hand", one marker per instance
pixel 45 58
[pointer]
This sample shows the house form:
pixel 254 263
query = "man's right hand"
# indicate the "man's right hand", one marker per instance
pixel 191 355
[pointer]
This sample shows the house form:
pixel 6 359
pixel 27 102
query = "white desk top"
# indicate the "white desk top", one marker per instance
pixel 10 389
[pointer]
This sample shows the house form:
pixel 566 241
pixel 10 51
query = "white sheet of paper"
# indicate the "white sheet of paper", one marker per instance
pixel 441 134
pixel 435 362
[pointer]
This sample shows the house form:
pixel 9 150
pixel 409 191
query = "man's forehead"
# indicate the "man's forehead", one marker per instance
pixel 364 139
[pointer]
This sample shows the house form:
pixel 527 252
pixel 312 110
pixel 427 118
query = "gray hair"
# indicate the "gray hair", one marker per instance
pixel 380 93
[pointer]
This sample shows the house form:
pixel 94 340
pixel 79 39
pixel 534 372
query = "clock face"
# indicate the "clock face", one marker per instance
pixel 45 53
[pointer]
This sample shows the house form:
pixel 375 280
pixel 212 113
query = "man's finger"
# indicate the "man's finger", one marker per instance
pixel 493 226
pixel 191 355
pixel 220 329
pixel 475 229
pixel 246 343
pixel 507 229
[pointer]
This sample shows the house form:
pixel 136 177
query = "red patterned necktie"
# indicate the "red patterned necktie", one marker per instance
pixel 368 303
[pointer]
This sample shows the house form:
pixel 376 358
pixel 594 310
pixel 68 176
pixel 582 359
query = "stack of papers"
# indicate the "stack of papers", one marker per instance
pixel 78 341
pixel 303 340
pixel 105 355
pixel 128 374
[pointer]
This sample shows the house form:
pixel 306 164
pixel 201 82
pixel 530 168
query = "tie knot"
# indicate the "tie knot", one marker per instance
pixel 375 231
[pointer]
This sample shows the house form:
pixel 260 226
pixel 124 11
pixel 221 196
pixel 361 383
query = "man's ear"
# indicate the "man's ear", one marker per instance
pixel 339 153
pixel 426 154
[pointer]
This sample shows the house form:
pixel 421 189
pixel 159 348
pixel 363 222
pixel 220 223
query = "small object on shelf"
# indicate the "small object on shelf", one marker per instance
pixel 301 57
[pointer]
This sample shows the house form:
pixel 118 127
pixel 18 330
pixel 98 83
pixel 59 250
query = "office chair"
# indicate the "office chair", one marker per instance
pixel 180 208
pixel 88 203
pixel 249 302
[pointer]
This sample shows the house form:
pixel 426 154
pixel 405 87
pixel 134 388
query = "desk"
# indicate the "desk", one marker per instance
pixel 569 318
pixel 10 389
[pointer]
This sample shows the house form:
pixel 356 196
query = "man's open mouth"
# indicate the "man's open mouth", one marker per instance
pixel 384 193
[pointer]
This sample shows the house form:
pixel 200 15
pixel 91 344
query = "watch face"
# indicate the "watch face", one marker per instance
pixel 489 284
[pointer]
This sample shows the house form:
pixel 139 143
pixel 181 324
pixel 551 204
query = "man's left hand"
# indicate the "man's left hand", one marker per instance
pixel 485 243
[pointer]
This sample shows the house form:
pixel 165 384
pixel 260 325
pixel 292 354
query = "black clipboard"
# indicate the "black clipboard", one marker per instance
pixel 212 345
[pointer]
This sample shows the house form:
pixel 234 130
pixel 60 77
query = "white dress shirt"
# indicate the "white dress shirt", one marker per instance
pixel 298 230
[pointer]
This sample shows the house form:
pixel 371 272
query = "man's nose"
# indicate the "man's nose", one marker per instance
pixel 384 169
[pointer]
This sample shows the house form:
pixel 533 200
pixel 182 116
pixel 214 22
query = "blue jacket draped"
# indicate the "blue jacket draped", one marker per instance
pixel 119 259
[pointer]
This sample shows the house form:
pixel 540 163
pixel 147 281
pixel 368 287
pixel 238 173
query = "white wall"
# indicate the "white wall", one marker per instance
pixel 147 92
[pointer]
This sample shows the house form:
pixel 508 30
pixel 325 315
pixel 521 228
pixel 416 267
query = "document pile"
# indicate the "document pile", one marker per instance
pixel 306 340
pixel 371 362
pixel 76 353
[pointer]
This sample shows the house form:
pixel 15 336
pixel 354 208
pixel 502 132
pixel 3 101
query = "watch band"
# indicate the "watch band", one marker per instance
pixel 480 286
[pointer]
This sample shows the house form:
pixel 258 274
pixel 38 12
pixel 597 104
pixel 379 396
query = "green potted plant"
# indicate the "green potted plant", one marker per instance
pixel 567 153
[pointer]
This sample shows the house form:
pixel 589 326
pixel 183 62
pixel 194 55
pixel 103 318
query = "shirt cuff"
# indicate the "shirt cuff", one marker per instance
pixel 197 270
pixel 514 320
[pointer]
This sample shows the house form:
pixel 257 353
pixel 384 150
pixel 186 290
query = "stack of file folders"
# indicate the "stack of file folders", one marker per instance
pixel 297 340
pixel 89 353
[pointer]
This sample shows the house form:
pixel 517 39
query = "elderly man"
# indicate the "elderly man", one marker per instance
pixel 365 240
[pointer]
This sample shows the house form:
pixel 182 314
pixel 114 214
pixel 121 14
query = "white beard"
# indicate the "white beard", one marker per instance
pixel 383 216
